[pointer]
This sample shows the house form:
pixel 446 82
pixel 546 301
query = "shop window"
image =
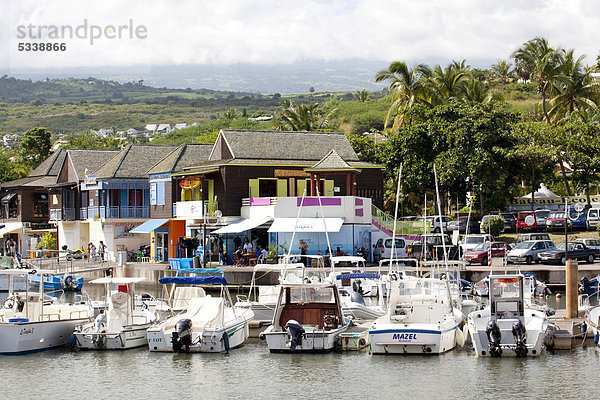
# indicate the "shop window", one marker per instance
pixel 40 205
pixel 267 188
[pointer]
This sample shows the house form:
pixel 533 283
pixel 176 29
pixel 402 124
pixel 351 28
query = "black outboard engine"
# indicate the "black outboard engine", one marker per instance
pixel 295 330
pixel 520 336
pixel 181 338
pixel 356 286
pixel 494 337
pixel 357 298
pixel 585 285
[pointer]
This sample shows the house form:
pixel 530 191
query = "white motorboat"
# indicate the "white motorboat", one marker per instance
pixel 369 287
pixel 420 318
pixel 308 318
pixel 34 321
pixel 209 324
pixel 122 325
pixel 507 327
pixel 351 296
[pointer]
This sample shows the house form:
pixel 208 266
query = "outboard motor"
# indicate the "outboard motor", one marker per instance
pixel 520 336
pixel 356 297
pixel 295 330
pixel 585 285
pixel 181 338
pixel 356 286
pixel 100 327
pixel 494 337
pixel 68 283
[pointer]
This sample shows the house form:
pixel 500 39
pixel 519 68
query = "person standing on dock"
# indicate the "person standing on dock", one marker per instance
pixel 101 250
pixel 304 251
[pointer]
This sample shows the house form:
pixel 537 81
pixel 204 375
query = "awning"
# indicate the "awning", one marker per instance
pixel 149 225
pixel 243 225
pixel 10 227
pixel 306 224
pixel 8 197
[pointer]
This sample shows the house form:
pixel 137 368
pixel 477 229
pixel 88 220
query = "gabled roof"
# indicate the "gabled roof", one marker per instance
pixel 133 162
pixel 331 162
pixel 183 156
pixel 282 145
pixel 83 159
pixel 51 165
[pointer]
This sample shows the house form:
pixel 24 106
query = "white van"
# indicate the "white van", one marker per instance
pixel 593 218
pixel 383 249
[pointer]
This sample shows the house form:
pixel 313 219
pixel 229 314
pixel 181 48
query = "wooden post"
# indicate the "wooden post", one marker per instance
pixel 571 287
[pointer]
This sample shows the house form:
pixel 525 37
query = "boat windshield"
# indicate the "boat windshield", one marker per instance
pixel 416 287
pixel 506 287
pixel 303 294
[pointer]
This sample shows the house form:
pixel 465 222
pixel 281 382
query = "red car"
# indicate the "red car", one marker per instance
pixel 480 253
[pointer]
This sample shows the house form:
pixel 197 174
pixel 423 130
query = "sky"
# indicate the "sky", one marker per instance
pixel 225 32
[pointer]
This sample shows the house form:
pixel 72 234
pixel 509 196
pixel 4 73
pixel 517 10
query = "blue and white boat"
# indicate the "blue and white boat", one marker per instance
pixel 64 282
pixel 420 318
pixel 208 325
pixel 34 321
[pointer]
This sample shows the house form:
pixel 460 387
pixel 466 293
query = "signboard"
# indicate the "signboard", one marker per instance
pixel 190 183
pixel 555 200
pixel 287 173
pixel 125 185
pixel 191 209
pixel 90 180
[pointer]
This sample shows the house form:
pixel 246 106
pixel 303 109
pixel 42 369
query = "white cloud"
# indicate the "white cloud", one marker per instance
pixel 270 31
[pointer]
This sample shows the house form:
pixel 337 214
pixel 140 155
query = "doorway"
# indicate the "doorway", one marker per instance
pixel 162 247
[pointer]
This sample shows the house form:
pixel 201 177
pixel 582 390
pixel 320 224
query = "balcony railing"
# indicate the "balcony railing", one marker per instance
pixel 69 214
pixel 114 212
pixel 259 201
pixel 55 214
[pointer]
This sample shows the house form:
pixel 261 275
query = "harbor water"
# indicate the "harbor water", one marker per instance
pixel 252 372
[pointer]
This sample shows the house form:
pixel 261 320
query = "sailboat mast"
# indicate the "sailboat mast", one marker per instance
pixel 392 254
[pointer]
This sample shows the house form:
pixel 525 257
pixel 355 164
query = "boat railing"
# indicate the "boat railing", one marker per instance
pixel 583 301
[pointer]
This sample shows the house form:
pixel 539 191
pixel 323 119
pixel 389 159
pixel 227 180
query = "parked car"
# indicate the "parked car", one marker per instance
pixel 460 225
pixel 434 221
pixel 432 243
pixel 541 216
pixel 408 218
pixel 556 220
pixel 593 218
pixel 523 237
pixel 470 242
pixel 510 221
pixel 590 243
pixel 529 251
pixel 578 219
pixel 578 251
pixel 480 253
pixel 383 249
pixel 526 221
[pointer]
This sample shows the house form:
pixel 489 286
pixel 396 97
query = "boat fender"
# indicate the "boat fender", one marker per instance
pixel 597 338
pixel 261 336
pixel 226 342
pixel 494 336
pixel 520 336
pixel 295 330
pixel 583 329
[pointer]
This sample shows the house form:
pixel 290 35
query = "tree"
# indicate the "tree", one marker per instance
pixel 9 170
pixel 304 117
pixel 577 91
pixel 35 147
pixel 311 89
pixel 544 66
pixel 406 87
pixel 362 95
pixel 502 71
pixel 230 114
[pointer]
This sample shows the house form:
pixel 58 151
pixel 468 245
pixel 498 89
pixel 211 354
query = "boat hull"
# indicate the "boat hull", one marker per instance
pixel 416 339
pixel 313 341
pixel 28 337
pixel 536 325
pixel 210 340
pixel 130 337
pixel 360 311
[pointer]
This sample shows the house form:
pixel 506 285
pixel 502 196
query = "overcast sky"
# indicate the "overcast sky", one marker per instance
pixel 276 31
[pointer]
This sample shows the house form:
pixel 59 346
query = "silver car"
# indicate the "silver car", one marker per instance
pixel 528 251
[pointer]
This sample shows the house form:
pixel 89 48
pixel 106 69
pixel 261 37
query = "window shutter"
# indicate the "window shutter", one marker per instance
pixel 153 197
pixel 160 193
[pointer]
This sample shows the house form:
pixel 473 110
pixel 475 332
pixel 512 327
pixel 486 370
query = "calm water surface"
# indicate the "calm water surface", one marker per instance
pixel 252 372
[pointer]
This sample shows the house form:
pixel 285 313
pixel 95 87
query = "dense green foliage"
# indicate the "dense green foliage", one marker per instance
pixel 493 225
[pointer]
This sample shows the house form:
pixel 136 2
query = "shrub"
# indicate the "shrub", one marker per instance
pixel 495 225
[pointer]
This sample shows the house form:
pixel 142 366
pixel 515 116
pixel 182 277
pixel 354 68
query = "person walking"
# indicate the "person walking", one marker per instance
pixel 304 251
pixel 12 246
pixel 101 250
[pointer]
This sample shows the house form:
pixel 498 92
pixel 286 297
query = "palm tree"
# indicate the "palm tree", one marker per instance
pixel 363 96
pixel 577 92
pixel 543 65
pixel 448 84
pixel 304 117
pixel 502 71
pixel 406 86
pixel 476 91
